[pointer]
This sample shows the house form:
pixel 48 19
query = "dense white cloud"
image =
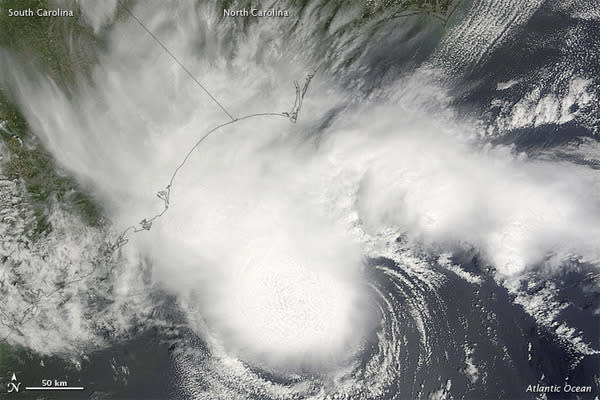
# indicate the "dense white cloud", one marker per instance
pixel 426 177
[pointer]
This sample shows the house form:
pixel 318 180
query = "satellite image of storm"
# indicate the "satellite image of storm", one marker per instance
pixel 300 199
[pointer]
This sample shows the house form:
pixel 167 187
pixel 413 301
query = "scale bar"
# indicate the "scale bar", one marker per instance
pixel 54 388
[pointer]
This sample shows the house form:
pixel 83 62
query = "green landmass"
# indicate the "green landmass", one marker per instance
pixel 61 48
pixel 44 41
pixel 30 164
